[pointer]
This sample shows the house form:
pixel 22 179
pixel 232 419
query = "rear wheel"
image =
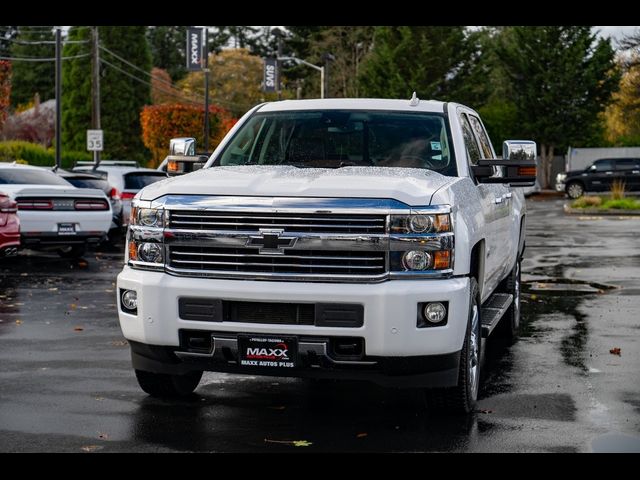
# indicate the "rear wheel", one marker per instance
pixel 72 251
pixel 575 190
pixel 510 322
pixel 462 398
pixel 163 385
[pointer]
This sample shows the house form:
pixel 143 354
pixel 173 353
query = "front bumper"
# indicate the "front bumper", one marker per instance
pixel 390 310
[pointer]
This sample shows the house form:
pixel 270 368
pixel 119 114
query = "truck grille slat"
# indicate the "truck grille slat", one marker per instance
pixel 295 262
pixel 290 222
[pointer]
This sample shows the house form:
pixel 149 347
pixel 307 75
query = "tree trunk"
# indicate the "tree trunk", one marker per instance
pixel 546 160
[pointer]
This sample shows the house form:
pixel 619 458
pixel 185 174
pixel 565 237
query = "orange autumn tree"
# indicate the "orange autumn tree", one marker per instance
pixel 160 123
pixel 5 89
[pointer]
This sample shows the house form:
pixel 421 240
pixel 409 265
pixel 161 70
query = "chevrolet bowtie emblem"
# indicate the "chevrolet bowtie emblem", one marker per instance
pixel 271 242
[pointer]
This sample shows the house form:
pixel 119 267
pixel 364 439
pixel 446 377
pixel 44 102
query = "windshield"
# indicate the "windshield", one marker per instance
pixel 337 138
pixel 27 176
pixel 137 181
pixel 89 183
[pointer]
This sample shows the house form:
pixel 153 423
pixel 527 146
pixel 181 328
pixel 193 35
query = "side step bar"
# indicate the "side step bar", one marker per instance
pixel 493 310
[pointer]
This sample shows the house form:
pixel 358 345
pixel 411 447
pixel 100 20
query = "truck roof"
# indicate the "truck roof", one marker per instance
pixel 353 104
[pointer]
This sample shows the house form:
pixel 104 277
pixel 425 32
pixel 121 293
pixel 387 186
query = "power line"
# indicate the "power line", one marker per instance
pixel 104 49
pixel 138 79
pixel 42 42
pixel 36 59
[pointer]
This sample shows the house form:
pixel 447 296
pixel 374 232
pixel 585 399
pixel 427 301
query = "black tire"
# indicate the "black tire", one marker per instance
pixel 462 398
pixel 575 190
pixel 72 251
pixel 162 385
pixel 509 325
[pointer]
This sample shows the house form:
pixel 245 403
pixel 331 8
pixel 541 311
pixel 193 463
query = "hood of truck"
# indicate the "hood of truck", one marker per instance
pixel 412 186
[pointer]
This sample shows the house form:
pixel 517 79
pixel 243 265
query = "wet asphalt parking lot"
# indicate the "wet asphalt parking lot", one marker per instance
pixel 66 384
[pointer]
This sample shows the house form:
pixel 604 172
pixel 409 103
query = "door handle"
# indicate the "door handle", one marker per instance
pixel 608 173
pixel 635 171
pixel 508 195
pixel 498 200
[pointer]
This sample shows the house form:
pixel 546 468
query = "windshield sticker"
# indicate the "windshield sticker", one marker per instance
pixel 435 146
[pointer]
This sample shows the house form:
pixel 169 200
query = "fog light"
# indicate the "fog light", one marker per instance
pixel 150 252
pixel 435 312
pixel 130 299
pixel 416 260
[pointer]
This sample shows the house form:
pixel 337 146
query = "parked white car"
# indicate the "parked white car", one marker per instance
pixel 55 215
pixel 127 179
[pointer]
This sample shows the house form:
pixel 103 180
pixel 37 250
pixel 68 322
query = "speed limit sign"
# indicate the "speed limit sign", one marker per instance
pixel 94 140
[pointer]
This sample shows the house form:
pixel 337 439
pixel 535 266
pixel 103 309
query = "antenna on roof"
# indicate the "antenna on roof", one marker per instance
pixel 415 101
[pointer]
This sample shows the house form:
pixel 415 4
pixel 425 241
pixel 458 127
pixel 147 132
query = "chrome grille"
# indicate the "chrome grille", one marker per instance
pixel 325 262
pixel 290 222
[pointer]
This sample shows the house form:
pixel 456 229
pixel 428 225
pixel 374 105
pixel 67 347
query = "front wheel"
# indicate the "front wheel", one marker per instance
pixel 163 385
pixel 462 398
pixel 575 190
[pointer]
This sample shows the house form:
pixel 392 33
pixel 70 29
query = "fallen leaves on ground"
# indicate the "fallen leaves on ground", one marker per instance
pixel 91 448
pixel 361 435
pixel 83 264
pixel 616 351
pixel 484 411
pixel 78 329
pixel 119 343
pixel 73 306
pixel 53 289
pixel 103 436
pixel 18 322
pixel 294 443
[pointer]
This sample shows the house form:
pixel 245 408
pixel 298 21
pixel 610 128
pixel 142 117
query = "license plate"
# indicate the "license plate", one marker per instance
pixel 271 351
pixel 67 229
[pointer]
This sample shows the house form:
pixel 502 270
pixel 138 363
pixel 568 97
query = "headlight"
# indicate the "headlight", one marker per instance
pixel 150 252
pixel 148 217
pixel 561 177
pixel 418 223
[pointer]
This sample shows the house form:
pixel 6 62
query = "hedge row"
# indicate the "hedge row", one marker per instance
pixel 35 154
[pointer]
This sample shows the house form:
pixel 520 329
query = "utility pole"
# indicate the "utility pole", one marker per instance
pixel 278 34
pixel 326 58
pixel 95 89
pixel 205 62
pixel 58 95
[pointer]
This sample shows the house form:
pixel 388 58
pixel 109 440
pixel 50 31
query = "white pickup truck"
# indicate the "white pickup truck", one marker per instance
pixel 342 238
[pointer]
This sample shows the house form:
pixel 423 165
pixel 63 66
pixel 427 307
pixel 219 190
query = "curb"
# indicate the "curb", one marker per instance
pixel 596 211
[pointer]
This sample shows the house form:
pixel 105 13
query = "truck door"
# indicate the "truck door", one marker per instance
pixel 600 176
pixel 491 206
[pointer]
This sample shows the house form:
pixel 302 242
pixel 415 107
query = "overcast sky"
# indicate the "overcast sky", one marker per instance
pixel 616 32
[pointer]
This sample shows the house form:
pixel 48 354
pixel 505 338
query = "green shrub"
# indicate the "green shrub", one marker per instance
pixel 35 154
pixel 622 204
pixel 587 202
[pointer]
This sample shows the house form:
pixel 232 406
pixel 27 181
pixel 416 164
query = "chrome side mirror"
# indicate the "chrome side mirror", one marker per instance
pixel 519 150
pixel 185 146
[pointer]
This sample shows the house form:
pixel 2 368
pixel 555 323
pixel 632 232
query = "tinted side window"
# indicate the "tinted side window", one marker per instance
pixel 137 181
pixel 603 165
pixel 482 137
pixel 473 152
pixel 628 164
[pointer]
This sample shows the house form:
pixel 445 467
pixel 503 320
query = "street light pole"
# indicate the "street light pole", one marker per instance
pixel 95 90
pixel 206 90
pixel 58 96
pixel 316 67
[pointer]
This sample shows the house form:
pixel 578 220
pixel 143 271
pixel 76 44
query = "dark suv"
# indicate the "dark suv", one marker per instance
pixel 599 176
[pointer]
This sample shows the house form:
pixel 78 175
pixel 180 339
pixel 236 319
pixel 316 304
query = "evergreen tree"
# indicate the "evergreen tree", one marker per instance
pixel 7 34
pixel 562 78
pixel 413 58
pixel 76 90
pixel 168 46
pixel 30 78
pixel 122 97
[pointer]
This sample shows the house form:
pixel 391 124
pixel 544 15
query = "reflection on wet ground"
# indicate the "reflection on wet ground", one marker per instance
pixel 66 383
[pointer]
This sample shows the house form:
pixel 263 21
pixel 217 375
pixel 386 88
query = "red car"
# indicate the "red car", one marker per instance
pixel 9 227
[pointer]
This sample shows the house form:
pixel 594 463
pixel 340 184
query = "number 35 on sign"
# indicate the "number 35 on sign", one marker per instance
pixel 94 140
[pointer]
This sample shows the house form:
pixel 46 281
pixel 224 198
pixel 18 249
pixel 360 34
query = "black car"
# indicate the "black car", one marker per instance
pixel 599 176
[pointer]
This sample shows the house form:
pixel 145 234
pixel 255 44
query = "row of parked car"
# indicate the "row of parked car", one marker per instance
pixel 65 211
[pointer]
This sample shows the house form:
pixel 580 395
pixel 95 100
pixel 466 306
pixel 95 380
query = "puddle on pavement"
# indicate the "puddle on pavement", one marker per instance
pixel 554 299
pixel 616 443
